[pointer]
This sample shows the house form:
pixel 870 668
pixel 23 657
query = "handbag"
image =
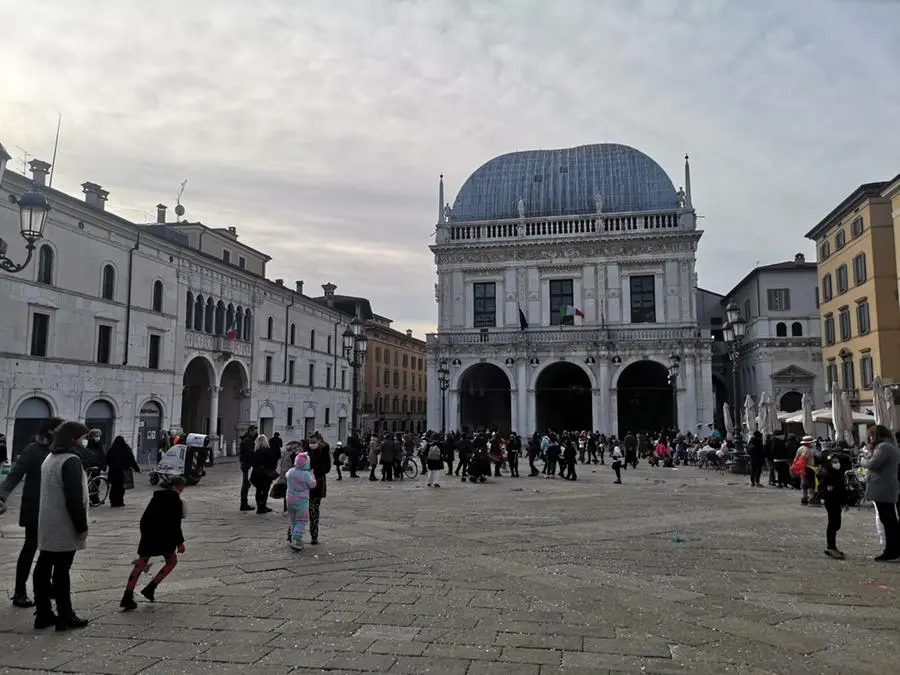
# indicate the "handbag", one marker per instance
pixel 129 479
pixel 278 491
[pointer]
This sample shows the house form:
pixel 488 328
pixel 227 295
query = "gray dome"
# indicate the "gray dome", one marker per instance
pixel 564 182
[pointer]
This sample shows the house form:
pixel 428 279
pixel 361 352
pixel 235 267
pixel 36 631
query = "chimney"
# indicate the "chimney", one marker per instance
pixel 409 332
pixel 39 171
pixel 94 195
pixel 329 289
pixel 233 230
pixel 279 282
pixel 799 258
pixel 161 214
pixel 299 287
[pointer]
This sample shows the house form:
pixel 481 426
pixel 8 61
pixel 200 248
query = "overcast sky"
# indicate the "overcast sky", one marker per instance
pixel 319 127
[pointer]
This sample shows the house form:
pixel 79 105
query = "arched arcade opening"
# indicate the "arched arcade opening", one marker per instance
pixel 644 398
pixel 198 379
pixel 485 401
pixel 30 415
pixel 563 398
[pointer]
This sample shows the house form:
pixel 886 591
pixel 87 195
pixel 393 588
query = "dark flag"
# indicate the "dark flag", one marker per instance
pixel 523 322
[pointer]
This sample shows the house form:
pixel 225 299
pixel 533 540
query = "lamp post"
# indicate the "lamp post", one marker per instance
pixel 33 208
pixel 734 329
pixel 355 345
pixel 674 365
pixel 444 383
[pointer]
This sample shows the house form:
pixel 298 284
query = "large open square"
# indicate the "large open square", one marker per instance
pixel 676 571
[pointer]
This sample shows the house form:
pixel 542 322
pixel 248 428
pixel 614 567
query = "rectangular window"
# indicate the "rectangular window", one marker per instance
pixel 328 377
pixel 832 374
pixel 866 371
pixel 842 284
pixel 817 297
pixel 643 299
pixel 312 375
pixel 840 239
pixel 226 255
pixel 844 323
pixel 485 295
pixel 859 269
pixel 779 299
pixel 827 288
pixel 863 321
pixel 242 262
pixel 40 334
pixel 377 354
pixel 290 417
pixel 829 330
pixel 268 374
pixel 404 380
pixel 824 251
pixel 561 295
pixel 104 343
pixel 856 228
pixel 291 369
pixel 849 374
pixel 153 356
pixel 747 314
pixel 327 416
pixel 344 378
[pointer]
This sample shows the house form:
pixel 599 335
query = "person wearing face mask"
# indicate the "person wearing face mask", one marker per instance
pixel 833 493
pixel 320 465
pixel 93 459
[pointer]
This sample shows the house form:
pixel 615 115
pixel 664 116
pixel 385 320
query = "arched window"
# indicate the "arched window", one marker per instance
pixel 312 339
pixel 270 328
pixel 189 311
pixel 45 265
pixel 377 404
pixel 395 406
pixel 220 318
pixel 198 312
pixel 209 316
pixel 781 329
pixel 396 380
pixel 796 329
pixel 157 301
pixel 293 334
pixel 387 357
pixel 239 322
pixel 329 344
pixel 405 405
pixel 231 321
pixel 108 283
pixel 248 325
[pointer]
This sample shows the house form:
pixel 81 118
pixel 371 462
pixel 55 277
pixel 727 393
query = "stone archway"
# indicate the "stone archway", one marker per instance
pixel 790 402
pixel 644 398
pixel 101 415
pixel 563 400
pixel 234 403
pixel 30 415
pixel 485 400
pixel 199 378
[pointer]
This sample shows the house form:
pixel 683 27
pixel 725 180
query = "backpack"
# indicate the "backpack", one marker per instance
pixel 798 466
pixel 434 453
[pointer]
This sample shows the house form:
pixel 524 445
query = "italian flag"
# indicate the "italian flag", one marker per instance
pixel 570 310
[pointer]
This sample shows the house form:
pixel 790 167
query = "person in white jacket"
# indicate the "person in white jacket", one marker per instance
pixel 617 458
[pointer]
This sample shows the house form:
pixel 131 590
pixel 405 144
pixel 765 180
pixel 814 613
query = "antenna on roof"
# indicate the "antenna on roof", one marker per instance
pixel 179 208
pixel 25 156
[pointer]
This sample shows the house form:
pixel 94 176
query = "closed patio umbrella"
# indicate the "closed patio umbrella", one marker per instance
pixel 749 415
pixel 879 401
pixel 806 408
pixel 729 421
pixel 848 421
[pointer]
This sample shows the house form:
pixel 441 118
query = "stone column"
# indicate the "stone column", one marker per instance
pixel 214 419
pixel 532 409
pixel 524 423
pixel 602 421
pixel 452 412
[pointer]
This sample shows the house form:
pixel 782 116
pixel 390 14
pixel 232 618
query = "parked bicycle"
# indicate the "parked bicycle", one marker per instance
pixel 98 486
pixel 410 467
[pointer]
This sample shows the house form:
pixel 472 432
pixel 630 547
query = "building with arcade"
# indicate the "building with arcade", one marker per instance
pixel 566 297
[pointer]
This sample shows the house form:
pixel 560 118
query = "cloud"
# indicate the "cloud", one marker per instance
pixel 318 129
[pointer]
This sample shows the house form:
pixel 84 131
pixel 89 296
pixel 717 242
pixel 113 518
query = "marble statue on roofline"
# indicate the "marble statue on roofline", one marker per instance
pixel 680 198
pixel 598 202
pixel 521 207
pixel 447 212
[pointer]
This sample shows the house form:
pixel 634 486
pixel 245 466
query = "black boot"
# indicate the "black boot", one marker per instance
pixel 128 602
pixel 22 600
pixel 149 591
pixel 246 507
pixel 70 623
pixel 44 620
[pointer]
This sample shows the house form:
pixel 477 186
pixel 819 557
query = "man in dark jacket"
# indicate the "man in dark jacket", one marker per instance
pixel 757 451
pixel 320 465
pixel 464 452
pixel 28 466
pixel 354 451
pixel 245 456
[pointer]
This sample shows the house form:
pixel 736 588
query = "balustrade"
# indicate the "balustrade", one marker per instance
pixel 564 335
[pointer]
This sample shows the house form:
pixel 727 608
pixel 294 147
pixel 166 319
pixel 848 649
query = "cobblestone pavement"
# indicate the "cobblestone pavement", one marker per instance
pixel 676 571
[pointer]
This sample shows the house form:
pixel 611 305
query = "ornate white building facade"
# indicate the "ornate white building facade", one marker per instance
pixel 135 328
pixel 566 285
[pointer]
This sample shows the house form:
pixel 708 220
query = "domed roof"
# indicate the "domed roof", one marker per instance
pixel 565 182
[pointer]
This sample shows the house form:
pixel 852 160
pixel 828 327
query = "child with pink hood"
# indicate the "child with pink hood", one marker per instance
pixel 300 481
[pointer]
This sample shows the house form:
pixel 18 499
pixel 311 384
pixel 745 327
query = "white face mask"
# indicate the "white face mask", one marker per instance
pixel 313 446
pixel 836 464
pixel 84 442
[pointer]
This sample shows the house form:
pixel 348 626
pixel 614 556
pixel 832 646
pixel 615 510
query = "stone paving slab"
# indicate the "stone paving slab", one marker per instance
pixel 519 577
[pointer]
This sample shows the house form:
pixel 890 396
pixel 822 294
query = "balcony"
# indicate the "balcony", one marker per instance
pixel 556 227
pixel 217 344
pixel 565 334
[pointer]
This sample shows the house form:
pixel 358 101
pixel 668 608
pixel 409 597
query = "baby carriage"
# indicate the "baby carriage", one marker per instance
pixel 479 467
pixel 181 460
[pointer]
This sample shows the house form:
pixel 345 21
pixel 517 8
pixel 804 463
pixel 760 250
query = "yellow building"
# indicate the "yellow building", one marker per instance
pixel 892 192
pixel 857 270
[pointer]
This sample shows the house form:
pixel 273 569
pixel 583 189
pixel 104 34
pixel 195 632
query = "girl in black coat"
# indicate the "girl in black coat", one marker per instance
pixel 160 536
pixel 118 460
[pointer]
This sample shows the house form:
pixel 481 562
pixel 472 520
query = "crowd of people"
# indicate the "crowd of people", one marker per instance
pixel 57 467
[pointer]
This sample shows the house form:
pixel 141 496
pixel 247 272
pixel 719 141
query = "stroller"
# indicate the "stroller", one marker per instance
pixel 181 460
pixel 479 466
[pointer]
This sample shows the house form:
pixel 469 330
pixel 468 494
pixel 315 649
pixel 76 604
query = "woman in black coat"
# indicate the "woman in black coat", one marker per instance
pixel 119 459
pixel 320 465
pixel 265 471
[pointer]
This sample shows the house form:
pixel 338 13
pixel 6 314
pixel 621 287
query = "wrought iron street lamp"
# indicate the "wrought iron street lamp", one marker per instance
pixel 674 366
pixel 444 383
pixel 734 329
pixel 33 208
pixel 355 345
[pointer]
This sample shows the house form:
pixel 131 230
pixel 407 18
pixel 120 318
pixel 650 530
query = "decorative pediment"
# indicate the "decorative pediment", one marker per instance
pixel 793 372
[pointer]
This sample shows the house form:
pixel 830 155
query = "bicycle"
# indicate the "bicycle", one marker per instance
pixel 98 485
pixel 410 467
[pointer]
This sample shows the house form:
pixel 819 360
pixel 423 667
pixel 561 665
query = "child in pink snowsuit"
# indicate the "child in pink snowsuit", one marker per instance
pixel 299 482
